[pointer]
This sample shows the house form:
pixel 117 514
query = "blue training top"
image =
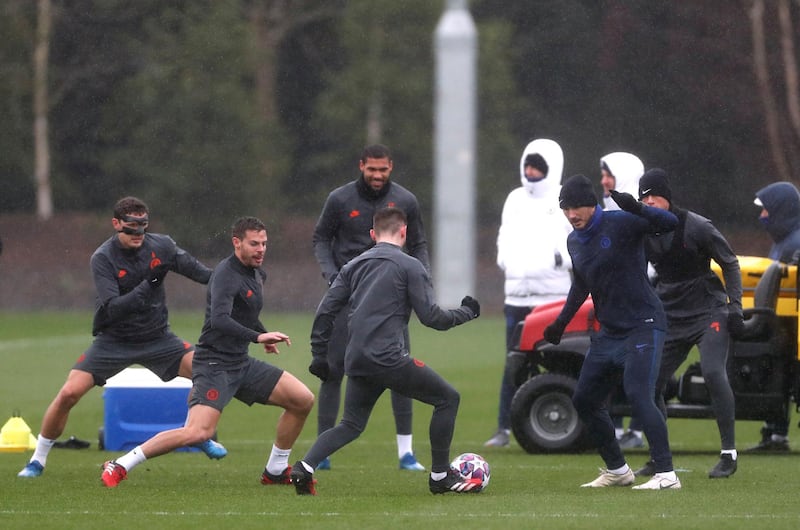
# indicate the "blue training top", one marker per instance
pixel 608 261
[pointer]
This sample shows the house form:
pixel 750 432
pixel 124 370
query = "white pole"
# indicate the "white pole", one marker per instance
pixel 454 156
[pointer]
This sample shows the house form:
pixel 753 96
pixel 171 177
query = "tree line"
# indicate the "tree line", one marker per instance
pixel 208 109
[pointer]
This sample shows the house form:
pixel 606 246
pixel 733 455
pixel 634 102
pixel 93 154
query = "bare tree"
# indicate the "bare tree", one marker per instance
pixel 273 21
pixel 782 119
pixel 44 196
pixel 790 65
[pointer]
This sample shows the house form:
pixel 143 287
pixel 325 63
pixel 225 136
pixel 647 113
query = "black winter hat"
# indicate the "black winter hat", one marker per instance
pixel 537 161
pixel 655 182
pixel 577 191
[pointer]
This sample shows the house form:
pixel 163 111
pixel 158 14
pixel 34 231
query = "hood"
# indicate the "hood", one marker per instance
pixel 627 169
pixel 782 202
pixel 552 154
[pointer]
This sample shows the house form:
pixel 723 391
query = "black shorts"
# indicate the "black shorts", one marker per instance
pixel 252 382
pixel 108 356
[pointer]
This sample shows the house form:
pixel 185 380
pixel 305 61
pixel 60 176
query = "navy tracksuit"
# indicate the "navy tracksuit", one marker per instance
pixel 609 263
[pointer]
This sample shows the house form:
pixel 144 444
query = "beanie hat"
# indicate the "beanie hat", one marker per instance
pixel 536 161
pixel 655 182
pixel 577 191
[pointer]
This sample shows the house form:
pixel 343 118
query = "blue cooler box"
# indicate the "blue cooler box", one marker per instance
pixel 139 405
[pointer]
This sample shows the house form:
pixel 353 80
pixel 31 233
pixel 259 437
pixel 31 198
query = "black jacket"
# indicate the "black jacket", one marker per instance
pixel 685 283
pixel 127 306
pixel 342 231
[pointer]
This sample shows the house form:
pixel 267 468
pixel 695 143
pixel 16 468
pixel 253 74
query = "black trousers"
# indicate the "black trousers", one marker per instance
pixel 413 380
pixel 330 391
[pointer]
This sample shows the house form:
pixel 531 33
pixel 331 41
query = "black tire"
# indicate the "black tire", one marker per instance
pixel 543 419
pixel 101 439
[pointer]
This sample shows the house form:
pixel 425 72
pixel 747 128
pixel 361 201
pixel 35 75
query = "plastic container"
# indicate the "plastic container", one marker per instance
pixel 139 405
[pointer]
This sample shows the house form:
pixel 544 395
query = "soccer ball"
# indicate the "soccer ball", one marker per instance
pixel 471 465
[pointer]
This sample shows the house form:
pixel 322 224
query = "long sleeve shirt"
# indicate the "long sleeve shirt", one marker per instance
pixel 685 282
pixel 127 306
pixel 383 286
pixel 608 261
pixel 233 304
pixel 342 230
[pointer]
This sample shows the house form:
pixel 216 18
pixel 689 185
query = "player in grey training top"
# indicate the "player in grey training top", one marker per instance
pixel 342 233
pixel 130 322
pixel 382 286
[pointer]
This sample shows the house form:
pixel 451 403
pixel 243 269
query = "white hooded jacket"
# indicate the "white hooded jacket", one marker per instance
pixel 532 240
pixel 626 169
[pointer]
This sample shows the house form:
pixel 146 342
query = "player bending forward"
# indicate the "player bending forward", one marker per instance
pixel 382 286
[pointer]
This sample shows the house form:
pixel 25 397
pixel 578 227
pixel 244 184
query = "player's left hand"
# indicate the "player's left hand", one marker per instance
pixel 626 202
pixel 271 339
pixel 473 305
pixel 735 322
pixel 157 275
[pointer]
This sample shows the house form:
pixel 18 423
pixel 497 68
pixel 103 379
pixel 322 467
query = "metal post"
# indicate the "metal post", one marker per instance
pixel 454 155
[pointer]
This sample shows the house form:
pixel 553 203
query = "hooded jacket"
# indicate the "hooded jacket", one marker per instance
pixel 626 169
pixel 532 240
pixel 782 202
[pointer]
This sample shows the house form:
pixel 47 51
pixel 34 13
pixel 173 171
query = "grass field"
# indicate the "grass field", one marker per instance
pixel 364 489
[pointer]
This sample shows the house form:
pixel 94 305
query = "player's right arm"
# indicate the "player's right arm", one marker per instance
pixel 112 304
pixel 332 303
pixel 324 233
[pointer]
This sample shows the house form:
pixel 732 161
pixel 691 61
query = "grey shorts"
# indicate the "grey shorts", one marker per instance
pixel 107 356
pixel 252 382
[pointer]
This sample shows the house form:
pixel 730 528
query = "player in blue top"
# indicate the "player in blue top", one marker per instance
pixel 608 259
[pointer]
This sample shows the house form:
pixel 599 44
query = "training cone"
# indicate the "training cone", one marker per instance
pixel 16 436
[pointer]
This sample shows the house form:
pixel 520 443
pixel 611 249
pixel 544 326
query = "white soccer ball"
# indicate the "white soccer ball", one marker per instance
pixel 471 465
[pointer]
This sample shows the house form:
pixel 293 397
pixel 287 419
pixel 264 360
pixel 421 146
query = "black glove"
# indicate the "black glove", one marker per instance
pixel 471 304
pixel 735 322
pixel 553 332
pixel 319 367
pixel 626 202
pixel 157 274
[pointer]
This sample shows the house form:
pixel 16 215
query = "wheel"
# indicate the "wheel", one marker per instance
pixel 543 419
pixel 101 439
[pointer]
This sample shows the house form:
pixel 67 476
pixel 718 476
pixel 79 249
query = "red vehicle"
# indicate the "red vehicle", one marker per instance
pixel 763 365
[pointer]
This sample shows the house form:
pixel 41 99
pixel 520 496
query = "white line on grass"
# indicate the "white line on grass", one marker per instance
pixel 446 515
pixel 17 344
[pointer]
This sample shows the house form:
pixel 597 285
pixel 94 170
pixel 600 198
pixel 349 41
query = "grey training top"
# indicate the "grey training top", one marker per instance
pixel 127 306
pixel 234 301
pixel 383 285
pixel 342 230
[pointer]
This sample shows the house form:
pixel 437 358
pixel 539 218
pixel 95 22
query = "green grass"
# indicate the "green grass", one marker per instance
pixel 364 489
